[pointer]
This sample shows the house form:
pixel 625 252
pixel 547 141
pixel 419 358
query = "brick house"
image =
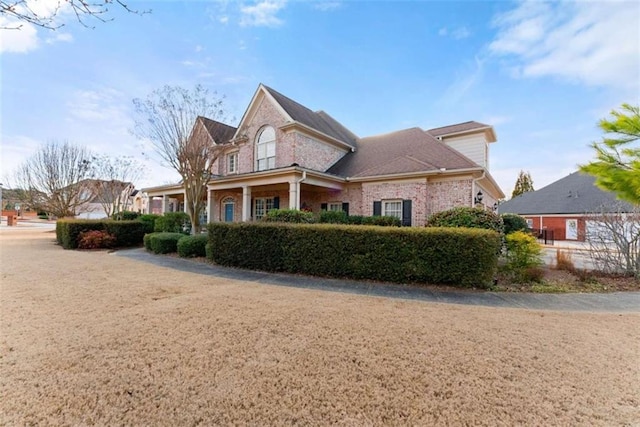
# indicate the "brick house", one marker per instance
pixel 284 155
pixel 565 207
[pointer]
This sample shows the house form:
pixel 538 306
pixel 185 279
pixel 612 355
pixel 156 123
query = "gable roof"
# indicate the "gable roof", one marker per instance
pixel 219 132
pixel 457 128
pixel 573 194
pixel 319 121
pixel 404 151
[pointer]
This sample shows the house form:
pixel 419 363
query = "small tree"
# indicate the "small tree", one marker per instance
pixel 613 235
pixel 524 184
pixel 53 179
pixel 168 118
pixel 617 163
pixel 114 177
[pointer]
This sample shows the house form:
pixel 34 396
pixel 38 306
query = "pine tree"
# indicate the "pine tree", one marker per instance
pixel 617 163
pixel 524 183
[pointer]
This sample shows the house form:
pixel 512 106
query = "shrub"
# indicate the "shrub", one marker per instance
pixel 173 222
pixel 460 257
pixel 289 215
pixel 149 220
pixel 467 217
pixel 523 253
pixel 382 221
pixel 95 239
pixel 147 241
pixel 208 250
pixel 126 233
pixel 192 246
pixel 564 261
pixel 162 242
pixel 333 217
pixel 355 219
pixel 125 216
pixel 513 222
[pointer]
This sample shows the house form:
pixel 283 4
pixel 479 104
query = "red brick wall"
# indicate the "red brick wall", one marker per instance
pixel 415 191
pixel 443 195
pixel 558 224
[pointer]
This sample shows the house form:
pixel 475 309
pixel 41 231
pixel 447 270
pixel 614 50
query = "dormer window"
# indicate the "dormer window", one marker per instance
pixel 266 149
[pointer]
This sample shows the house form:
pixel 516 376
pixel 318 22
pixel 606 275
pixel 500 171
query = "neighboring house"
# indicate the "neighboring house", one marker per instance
pixel 283 155
pixel 565 206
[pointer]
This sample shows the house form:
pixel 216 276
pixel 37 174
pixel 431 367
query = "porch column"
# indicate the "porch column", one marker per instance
pixel 184 202
pixel 294 195
pixel 246 203
pixel 165 203
pixel 210 205
pixel 149 205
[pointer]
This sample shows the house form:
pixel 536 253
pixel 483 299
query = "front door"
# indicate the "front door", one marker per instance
pixel 228 212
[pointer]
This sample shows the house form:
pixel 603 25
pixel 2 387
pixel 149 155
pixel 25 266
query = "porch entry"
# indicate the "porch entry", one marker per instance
pixel 228 205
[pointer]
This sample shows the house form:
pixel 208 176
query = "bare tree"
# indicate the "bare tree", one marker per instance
pixel 168 118
pixel 54 179
pixel 114 181
pixel 46 14
pixel 613 235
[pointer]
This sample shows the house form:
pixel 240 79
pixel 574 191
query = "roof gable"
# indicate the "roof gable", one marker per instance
pixel 405 151
pixel 219 132
pixel 464 128
pixel 573 194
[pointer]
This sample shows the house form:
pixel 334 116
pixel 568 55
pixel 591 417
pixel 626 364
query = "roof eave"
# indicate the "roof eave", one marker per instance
pixel 293 125
pixel 413 174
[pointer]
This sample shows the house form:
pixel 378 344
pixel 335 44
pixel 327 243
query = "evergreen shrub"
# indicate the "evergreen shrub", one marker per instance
pixel 192 246
pixel 467 217
pixel 523 256
pixel 173 222
pixel 163 242
pixel 514 222
pixel 289 215
pixel 460 257
pixel 125 215
pixel 126 233
pixel 150 221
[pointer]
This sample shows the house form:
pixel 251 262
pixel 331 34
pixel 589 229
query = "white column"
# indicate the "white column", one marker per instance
pixel 184 201
pixel 294 197
pixel 246 203
pixel 165 203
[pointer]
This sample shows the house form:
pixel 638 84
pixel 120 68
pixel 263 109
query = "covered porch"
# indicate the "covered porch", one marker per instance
pixel 249 197
pixel 165 198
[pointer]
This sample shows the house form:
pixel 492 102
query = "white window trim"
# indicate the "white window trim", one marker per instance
pixel 266 208
pixel 235 163
pixel 270 161
pixel 384 208
pixel 334 206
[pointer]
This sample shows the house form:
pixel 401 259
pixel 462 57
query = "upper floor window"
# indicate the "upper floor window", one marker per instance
pixel 266 149
pixel 232 163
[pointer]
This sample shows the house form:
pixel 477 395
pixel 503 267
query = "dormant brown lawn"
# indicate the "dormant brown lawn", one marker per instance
pixel 92 338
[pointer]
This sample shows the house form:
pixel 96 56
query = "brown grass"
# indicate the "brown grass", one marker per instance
pixel 92 338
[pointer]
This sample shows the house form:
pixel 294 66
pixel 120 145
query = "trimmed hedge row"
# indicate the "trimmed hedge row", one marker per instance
pixel 456 256
pixel 163 242
pixel 192 246
pixel 127 233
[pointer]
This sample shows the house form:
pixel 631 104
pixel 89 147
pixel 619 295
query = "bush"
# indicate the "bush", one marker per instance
pixel 333 217
pixel 162 242
pixel 459 257
pixel 513 223
pixel 523 254
pixel 208 250
pixel 382 221
pixel 173 222
pixel 467 217
pixel 96 239
pixel 126 233
pixel 289 215
pixel 149 220
pixel 147 241
pixel 192 246
pixel 125 216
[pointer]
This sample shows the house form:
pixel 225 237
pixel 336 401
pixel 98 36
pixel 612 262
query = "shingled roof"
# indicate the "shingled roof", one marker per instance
pixel 220 132
pixel 404 151
pixel 319 120
pixel 573 194
pixel 457 128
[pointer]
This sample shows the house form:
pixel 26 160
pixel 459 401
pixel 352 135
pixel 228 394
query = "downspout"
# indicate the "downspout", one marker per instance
pixel 304 176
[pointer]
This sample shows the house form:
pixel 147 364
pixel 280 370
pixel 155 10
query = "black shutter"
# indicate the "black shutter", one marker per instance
pixel 377 208
pixel 345 208
pixel 253 209
pixel 323 206
pixel 406 213
pixel 276 203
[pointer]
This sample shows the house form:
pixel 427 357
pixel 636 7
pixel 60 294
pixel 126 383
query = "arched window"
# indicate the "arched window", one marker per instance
pixel 266 149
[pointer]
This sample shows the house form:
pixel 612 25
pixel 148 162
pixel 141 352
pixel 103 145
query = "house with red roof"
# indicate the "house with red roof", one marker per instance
pixel 284 155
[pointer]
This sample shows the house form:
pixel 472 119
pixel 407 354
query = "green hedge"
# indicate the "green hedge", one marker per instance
pixel 456 256
pixel 192 246
pixel 467 217
pixel 173 222
pixel 162 243
pixel 289 215
pixel 127 233
pixel 125 215
pixel 149 220
pixel 513 223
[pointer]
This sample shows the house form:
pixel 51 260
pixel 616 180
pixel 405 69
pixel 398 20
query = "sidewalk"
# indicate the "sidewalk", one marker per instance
pixel 607 302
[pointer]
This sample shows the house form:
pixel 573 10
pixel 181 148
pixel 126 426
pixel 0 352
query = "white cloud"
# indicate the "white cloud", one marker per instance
pixel 594 43
pixel 464 83
pixel 262 14
pixel 457 33
pixel 101 105
pixel 327 6
pixel 223 19
pixel 60 37
pixel 22 40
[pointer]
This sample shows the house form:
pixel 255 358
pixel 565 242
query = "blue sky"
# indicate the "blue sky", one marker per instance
pixel 542 74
